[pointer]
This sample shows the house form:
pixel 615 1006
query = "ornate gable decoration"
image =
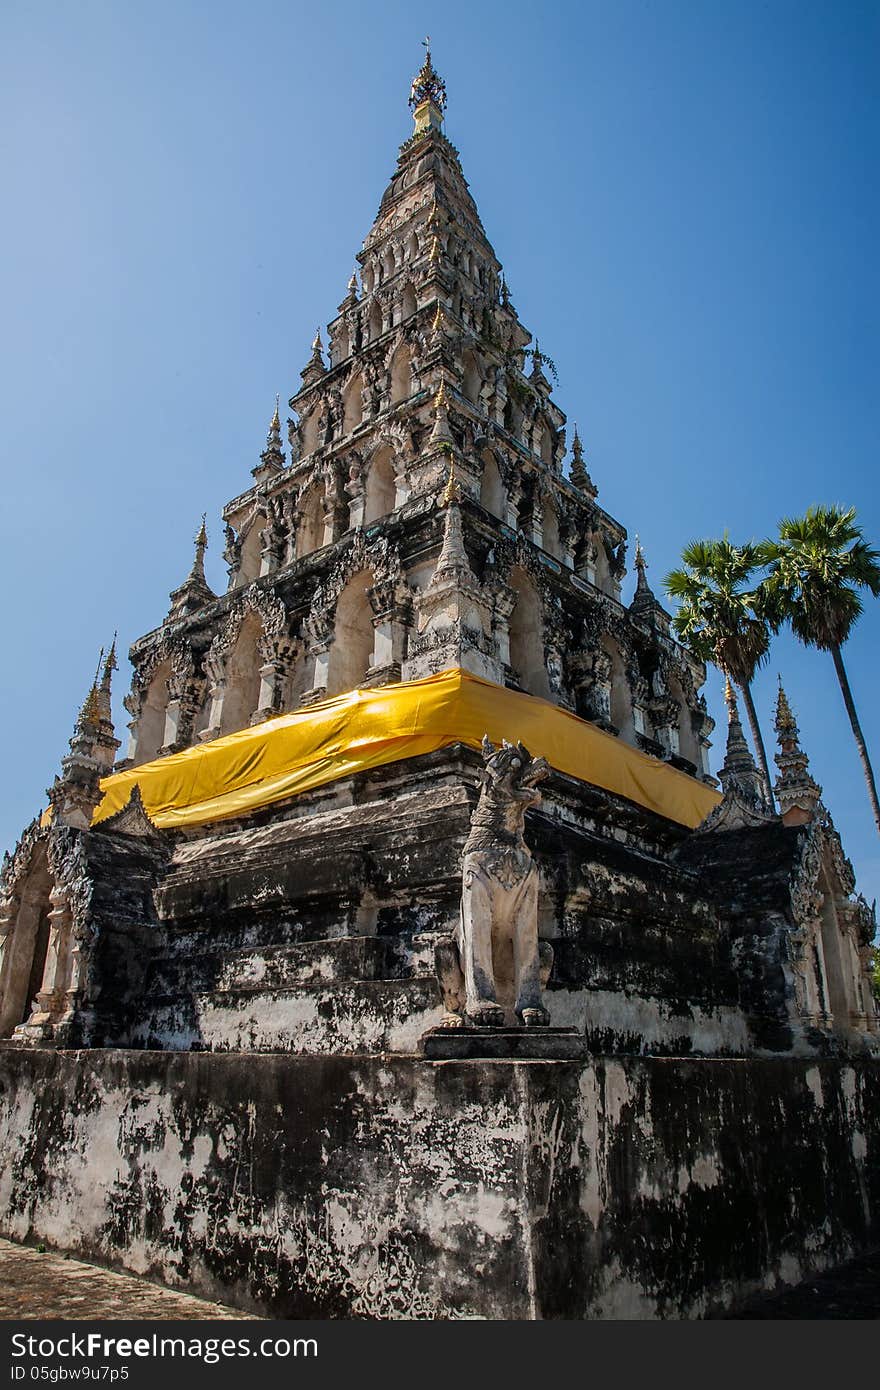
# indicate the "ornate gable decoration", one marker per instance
pixel 133 819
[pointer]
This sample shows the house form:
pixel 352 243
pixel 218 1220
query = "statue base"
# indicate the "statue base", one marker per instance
pixel 518 1044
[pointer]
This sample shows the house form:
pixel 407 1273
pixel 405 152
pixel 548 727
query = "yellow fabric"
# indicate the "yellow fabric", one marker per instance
pixel 234 775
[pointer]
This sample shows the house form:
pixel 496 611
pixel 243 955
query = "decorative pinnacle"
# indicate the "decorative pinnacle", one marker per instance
pixel 797 790
pixel 110 664
pixel 428 86
pixel 90 713
pixel 317 345
pixel 730 700
pixel 579 475
pixel 353 284
pixel 440 430
pixel 435 249
pixel 785 723
pixel 276 418
pixel 201 536
pixel 452 493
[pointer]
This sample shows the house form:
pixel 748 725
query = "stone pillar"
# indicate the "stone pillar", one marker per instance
pixel 392 618
pixel 217 693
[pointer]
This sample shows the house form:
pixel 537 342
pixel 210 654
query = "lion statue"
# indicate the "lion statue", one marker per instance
pixel 494 967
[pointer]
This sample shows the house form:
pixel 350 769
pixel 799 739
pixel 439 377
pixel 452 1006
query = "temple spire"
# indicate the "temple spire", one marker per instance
pixel 452 562
pixel 194 592
pixel 738 771
pixel 743 804
pixel 798 793
pixel 105 712
pixel 272 456
pixel 315 368
pixel 641 564
pixel 77 790
pixel 427 96
pixel 578 473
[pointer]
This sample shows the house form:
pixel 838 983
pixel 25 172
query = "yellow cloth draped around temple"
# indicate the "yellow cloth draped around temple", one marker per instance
pixel 268 762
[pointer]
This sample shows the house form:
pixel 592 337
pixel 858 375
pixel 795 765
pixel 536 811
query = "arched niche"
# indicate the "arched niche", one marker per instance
pixel 493 494
pixel 409 303
pixel 602 566
pixel 621 698
pixel 527 636
pixel 310 526
pixel 374 321
pixel 381 487
pixel 546 448
pixel 352 404
pixel 387 263
pixel 251 546
pixel 296 683
pixel 27 944
pixel 151 720
pixel 550 530
pixel 351 652
pixel 472 379
pixel 368 279
pixel 340 347
pixel 242 677
pixel 412 247
pixel 688 741
pixel 309 432
pixel 401 374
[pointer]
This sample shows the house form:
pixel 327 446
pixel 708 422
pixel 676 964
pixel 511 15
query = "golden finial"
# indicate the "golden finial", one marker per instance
pixel 785 721
pixel 317 345
pixel 201 537
pixel 440 398
pixel 437 325
pixel 453 491
pixel 730 699
pixel 435 249
pixel 276 418
pixel 110 663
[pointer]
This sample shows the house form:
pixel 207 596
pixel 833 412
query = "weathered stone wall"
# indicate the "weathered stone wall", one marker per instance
pixel 314 931
pixel 394 1187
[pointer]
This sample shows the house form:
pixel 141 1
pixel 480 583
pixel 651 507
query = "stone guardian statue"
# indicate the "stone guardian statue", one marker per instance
pixel 494 966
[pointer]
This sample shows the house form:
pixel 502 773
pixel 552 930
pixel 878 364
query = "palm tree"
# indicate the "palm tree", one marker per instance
pixel 716 619
pixel 816 567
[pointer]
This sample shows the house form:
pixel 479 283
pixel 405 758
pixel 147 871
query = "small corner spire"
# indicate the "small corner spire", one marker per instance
pixel 201 545
pixel 578 473
pixel 797 792
pixel 110 665
pixel 427 97
pixel 452 492
pixel 273 454
pixel 441 431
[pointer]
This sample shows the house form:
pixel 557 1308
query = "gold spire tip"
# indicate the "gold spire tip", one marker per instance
pixel 452 491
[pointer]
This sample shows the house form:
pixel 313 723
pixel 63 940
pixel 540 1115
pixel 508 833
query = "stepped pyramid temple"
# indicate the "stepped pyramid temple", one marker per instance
pixel 411 962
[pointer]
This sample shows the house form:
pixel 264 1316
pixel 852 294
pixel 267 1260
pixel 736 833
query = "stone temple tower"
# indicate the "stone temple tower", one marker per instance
pixel 333 551
pixel 218 993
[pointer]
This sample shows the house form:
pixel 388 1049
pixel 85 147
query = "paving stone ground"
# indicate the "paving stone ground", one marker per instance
pixel 35 1285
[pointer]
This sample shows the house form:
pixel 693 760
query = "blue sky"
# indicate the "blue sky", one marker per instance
pixel 684 198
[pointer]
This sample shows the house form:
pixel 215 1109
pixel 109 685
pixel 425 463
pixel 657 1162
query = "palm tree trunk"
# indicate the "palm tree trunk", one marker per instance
pixel 757 740
pixel 857 731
